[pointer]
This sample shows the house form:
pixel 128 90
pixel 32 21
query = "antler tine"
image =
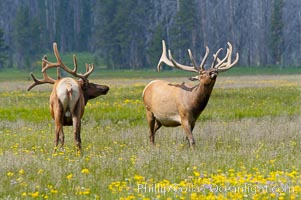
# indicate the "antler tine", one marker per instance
pixel 204 59
pixel 45 75
pixel 87 67
pixel 59 62
pixel 215 57
pixel 221 62
pixel 74 63
pixel 171 62
pixel 89 70
pixel 193 61
pixel 46 79
pixel 180 66
pixel 225 66
pixel 36 82
pixel 39 82
pixel 163 58
pixel 58 73
pixel 58 59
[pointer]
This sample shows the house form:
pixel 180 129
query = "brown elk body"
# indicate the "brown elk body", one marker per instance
pixel 69 96
pixel 168 104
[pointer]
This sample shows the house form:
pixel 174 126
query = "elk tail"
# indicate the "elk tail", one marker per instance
pixel 69 96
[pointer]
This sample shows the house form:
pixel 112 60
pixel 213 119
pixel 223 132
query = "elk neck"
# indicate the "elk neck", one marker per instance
pixel 86 97
pixel 199 97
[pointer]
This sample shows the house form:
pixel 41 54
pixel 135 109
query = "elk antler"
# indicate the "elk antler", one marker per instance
pixel 172 63
pixel 60 64
pixel 217 63
pixel 224 66
pixel 46 79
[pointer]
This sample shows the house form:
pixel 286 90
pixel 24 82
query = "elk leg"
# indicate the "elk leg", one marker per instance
pixel 188 130
pixel 58 126
pixel 77 126
pixel 157 125
pixel 61 132
pixel 58 130
pixel 62 138
pixel 151 123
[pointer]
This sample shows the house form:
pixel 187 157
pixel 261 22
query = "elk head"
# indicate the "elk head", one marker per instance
pixel 169 104
pixel 69 96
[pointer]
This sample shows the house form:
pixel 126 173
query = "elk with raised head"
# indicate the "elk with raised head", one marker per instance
pixel 168 104
pixel 69 96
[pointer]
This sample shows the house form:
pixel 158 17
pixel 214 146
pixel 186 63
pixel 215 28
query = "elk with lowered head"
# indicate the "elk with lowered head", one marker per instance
pixel 168 104
pixel 69 96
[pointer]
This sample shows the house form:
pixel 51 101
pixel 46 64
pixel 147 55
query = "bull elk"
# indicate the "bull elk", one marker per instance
pixel 168 104
pixel 69 96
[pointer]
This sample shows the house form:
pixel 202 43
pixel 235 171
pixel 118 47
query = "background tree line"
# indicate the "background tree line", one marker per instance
pixel 128 33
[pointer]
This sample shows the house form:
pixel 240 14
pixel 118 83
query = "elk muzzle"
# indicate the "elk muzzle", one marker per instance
pixel 94 90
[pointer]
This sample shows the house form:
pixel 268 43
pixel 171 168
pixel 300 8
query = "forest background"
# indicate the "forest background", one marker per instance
pixel 127 34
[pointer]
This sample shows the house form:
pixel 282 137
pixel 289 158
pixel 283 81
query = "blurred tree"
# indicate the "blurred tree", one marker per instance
pixel 105 11
pixel 183 33
pixel 84 27
pixel 65 32
pixel 276 28
pixel 26 38
pixel 125 33
pixel 3 51
pixel 120 33
pixel 155 46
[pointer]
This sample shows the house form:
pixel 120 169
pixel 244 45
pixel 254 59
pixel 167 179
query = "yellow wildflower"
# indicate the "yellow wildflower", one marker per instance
pixel 197 174
pixel 9 174
pixel 35 194
pixel 84 191
pixel 272 161
pixel 138 178
pixel 69 177
pixel 53 191
pixel 21 171
pixel 85 171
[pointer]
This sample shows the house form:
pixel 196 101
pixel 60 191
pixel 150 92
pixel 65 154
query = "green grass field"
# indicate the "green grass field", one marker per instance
pixel 247 144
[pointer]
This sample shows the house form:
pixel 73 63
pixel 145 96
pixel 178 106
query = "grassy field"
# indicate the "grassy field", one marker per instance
pixel 247 144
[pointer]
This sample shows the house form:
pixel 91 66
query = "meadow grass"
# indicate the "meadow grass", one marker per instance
pixel 247 146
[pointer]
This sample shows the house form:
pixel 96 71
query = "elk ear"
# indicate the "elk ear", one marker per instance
pixel 81 82
pixel 194 78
